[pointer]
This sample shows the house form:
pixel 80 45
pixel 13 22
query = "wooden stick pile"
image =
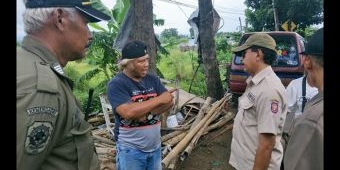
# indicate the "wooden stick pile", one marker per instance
pixel 177 142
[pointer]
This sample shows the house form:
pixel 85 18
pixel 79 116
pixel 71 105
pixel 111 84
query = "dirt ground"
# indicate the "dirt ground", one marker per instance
pixel 211 153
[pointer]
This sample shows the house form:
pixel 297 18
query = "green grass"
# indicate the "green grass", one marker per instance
pixel 184 64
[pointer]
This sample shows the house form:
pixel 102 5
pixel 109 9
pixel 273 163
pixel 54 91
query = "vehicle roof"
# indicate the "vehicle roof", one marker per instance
pixel 274 32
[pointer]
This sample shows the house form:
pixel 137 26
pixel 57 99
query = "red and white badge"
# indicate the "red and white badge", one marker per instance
pixel 274 106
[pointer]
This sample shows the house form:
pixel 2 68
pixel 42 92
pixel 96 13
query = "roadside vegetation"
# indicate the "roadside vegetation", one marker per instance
pixel 99 66
pixel 89 72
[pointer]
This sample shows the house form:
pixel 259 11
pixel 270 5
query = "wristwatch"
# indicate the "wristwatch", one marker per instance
pixel 149 116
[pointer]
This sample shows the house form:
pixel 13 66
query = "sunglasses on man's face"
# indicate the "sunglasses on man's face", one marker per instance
pixel 243 53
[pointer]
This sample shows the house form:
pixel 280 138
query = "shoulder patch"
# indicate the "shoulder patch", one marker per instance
pixel 42 110
pixel 274 106
pixel 251 96
pixel 38 136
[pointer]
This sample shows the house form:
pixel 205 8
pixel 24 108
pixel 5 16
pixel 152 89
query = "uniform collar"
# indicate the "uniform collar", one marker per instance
pixel 34 46
pixel 260 75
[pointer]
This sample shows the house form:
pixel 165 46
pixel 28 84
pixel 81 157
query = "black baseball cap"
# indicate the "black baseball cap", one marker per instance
pixel 134 49
pixel 84 6
pixel 315 44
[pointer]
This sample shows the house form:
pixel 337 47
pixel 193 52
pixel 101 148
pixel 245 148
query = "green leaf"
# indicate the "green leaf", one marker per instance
pixel 101 7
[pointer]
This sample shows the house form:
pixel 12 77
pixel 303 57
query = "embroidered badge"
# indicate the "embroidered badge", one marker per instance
pixel 251 96
pixel 42 110
pixel 274 106
pixel 37 137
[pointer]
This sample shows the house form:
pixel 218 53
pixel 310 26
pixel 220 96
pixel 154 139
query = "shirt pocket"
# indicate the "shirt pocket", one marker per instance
pixel 249 112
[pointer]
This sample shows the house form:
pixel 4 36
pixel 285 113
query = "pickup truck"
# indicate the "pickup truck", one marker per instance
pixel 287 66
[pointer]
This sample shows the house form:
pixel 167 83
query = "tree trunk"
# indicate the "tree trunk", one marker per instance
pixel 142 29
pixel 208 50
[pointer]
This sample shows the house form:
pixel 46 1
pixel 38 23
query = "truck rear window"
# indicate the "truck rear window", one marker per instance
pixel 286 45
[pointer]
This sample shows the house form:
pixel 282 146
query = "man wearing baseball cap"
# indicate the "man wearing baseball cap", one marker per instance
pixel 305 147
pixel 262 108
pixel 137 99
pixel 51 131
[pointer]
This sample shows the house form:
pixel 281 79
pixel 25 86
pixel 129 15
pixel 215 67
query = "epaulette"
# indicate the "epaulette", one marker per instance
pixel 46 79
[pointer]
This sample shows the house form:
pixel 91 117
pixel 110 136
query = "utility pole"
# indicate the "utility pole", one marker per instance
pixel 241 28
pixel 276 18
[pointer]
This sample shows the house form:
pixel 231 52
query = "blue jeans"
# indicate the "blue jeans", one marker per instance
pixel 132 159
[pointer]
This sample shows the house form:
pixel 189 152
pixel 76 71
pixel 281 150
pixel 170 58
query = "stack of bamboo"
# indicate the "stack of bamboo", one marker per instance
pixel 177 142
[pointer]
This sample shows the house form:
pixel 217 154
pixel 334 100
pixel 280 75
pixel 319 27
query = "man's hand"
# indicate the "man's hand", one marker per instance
pixel 167 96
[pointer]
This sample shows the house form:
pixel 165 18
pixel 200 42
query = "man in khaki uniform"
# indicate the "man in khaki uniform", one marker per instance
pixel 51 131
pixel 305 149
pixel 262 109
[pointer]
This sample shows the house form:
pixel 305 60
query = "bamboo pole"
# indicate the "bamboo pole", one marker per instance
pixel 171 135
pixel 214 137
pixel 194 140
pixel 173 162
pixel 226 118
pixel 180 146
pixel 201 112
pixel 173 141
pixel 177 128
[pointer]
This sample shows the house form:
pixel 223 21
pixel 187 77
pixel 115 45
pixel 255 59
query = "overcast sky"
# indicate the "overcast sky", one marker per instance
pixel 175 15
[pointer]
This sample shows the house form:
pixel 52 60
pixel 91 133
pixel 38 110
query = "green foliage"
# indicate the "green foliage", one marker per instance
pixel 99 66
pixel 184 64
pixel 100 6
pixel 307 32
pixel 312 12
pixel 222 46
pixel 74 70
pixel 260 13
pixel 157 22
pixel 89 73
pixel 224 43
pixel 170 33
pixel 101 58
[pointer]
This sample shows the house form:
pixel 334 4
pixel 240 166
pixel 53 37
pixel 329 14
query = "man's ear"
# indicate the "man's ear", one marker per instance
pixel 259 55
pixel 308 63
pixel 59 17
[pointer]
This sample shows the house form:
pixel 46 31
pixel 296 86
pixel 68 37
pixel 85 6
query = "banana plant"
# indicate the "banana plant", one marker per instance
pixel 101 55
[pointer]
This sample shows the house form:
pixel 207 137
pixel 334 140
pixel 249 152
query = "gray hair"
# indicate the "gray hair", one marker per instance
pixel 123 63
pixel 35 18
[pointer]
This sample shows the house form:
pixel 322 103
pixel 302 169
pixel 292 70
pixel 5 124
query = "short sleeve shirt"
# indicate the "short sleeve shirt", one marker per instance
pixel 143 135
pixel 262 109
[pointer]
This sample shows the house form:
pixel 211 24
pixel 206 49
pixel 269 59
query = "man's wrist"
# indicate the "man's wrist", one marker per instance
pixel 149 116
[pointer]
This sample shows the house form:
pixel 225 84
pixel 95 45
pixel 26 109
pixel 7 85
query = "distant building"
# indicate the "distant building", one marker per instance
pixel 183 47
